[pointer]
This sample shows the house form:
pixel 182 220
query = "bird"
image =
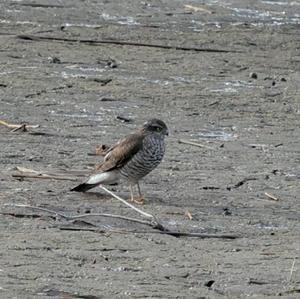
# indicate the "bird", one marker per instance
pixel 131 158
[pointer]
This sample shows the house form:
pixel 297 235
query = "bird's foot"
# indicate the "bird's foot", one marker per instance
pixel 138 200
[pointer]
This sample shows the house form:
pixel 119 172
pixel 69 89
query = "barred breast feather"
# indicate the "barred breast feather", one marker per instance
pixel 145 160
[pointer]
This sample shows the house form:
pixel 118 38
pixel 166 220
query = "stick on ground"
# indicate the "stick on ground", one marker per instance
pixel 96 229
pixel 194 144
pixel 153 222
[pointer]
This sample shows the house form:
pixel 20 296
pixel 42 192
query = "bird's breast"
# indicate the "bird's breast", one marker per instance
pixel 145 160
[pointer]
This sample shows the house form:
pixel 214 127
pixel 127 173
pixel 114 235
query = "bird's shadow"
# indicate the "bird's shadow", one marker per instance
pixel 94 195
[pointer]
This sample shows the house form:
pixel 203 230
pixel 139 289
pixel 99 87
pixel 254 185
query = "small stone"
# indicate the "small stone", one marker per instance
pixel 54 60
pixel 226 212
pixel 209 283
pixel 253 75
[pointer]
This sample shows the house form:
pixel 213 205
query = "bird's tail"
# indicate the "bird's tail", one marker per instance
pixel 97 179
pixel 83 187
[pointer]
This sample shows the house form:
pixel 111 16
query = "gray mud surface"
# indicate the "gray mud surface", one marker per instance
pixel 226 77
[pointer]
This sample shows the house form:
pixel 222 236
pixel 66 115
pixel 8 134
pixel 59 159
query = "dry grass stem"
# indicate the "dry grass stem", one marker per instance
pixel 127 203
pixel 43 176
pixel 292 270
pixel 194 143
pixel 197 9
pixel 17 126
pixel 271 197
pixel 70 217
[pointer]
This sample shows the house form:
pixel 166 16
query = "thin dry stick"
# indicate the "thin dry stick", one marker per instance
pixel 161 230
pixel 43 176
pixel 32 171
pixel 14 126
pixel 37 208
pixel 154 223
pixel 69 217
pixel 292 269
pixel 127 204
pixel 22 127
pixel 171 233
pixel 121 42
pixel 272 197
pixel 23 169
pixel 194 143
pixel 197 9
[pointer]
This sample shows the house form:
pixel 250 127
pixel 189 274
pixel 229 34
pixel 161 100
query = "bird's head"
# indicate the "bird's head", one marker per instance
pixel 156 126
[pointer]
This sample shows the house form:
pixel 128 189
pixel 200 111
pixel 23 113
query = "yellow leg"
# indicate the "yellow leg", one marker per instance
pixel 141 199
pixel 131 193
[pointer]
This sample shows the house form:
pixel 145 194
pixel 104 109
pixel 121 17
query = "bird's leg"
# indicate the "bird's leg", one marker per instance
pixel 140 200
pixel 131 193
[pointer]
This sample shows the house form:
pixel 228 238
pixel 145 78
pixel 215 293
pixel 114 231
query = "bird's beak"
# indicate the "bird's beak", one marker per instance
pixel 167 132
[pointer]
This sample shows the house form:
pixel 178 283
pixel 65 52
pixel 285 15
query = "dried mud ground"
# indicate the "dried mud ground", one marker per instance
pixel 242 103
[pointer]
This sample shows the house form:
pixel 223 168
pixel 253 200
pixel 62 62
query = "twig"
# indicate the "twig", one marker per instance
pixel 14 126
pixel 43 176
pixel 37 175
pixel 25 170
pixel 256 281
pixel 126 203
pixel 197 9
pixel 171 233
pixel 69 217
pixel 38 209
pixel 123 43
pixel 154 225
pixel 22 128
pixel 272 197
pixel 194 143
pixel 241 183
pixel 292 269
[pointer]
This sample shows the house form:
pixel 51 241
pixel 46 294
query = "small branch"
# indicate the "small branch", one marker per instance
pixel 17 127
pixel 256 281
pixel 127 203
pixel 22 128
pixel 154 225
pixel 76 173
pixel 292 269
pixel 38 209
pixel 122 43
pixel 197 9
pixel 272 197
pixel 194 143
pixel 69 217
pixel 110 216
pixel 43 176
pixel 37 175
pixel 241 183
pixel 170 233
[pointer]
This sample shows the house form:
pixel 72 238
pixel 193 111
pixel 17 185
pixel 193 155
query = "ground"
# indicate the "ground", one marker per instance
pixel 223 75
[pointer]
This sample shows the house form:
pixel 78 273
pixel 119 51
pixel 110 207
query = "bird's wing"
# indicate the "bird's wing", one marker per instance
pixel 119 154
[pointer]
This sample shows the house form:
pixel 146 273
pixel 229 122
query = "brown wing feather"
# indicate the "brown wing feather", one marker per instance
pixel 122 152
